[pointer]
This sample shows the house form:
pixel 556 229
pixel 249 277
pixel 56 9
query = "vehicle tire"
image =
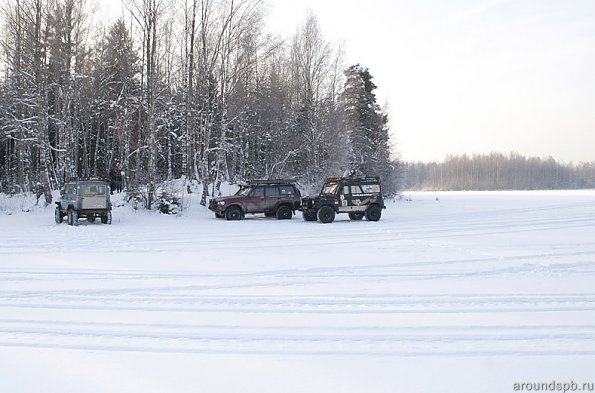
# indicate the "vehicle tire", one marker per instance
pixel 233 213
pixel 73 217
pixel 309 216
pixel 373 213
pixel 91 219
pixel 106 218
pixel 356 216
pixel 58 216
pixel 326 215
pixel 268 214
pixel 284 213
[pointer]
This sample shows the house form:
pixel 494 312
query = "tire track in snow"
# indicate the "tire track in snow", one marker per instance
pixel 244 304
pixel 296 339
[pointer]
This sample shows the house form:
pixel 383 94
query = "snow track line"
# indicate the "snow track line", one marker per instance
pixel 285 352
pixel 314 304
pixel 301 328
pixel 365 340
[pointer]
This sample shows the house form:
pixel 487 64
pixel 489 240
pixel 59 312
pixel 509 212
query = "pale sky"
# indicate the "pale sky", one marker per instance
pixel 470 76
pixel 467 76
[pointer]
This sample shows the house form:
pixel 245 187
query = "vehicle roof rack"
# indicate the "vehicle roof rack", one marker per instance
pixel 71 179
pixel 270 181
pixel 352 178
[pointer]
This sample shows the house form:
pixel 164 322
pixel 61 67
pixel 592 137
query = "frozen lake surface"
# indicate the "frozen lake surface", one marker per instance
pixel 459 292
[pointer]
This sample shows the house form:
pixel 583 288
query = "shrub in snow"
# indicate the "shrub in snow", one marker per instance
pixel 168 204
pixel 135 197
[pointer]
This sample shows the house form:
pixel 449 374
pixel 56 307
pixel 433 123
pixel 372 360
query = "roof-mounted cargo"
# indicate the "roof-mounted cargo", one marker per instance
pixel 270 181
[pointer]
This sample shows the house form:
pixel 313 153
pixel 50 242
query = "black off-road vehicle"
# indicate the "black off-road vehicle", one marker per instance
pixel 358 196
pixel 274 198
pixel 88 198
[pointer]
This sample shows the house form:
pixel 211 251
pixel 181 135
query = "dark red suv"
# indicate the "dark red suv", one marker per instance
pixel 274 198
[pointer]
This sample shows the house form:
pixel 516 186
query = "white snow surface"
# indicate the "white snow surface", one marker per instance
pixel 449 292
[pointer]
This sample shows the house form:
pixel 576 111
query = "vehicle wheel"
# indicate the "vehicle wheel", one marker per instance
pixel 309 216
pixel 58 215
pixel 326 214
pixel 268 214
pixel 73 217
pixel 373 213
pixel 106 218
pixel 233 213
pixel 284 213
pixel 91 219
pixel 356 216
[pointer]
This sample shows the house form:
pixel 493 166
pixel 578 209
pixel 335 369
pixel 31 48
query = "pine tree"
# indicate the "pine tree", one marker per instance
pixel 117 102
pixel 366 125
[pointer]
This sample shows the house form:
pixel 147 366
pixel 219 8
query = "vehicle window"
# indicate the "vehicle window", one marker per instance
pixel 70 189
pixel 257 192
pixel 329 189
pixel 287 190
pixel 244 191
pixel 356 190
pixel 371 188
pixel 272 191
pixel 93 190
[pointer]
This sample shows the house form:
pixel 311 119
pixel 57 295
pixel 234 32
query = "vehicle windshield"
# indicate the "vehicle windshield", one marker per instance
pixel 244 191
pixel 329 189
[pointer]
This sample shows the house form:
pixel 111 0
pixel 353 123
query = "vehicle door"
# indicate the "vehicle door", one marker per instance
pixel 256 200
pixel 94 196
pixel 68 195
pixel 345 201
pixel 272 197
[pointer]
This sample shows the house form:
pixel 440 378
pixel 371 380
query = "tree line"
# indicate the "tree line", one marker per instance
pixel 184 89
pixel 497 171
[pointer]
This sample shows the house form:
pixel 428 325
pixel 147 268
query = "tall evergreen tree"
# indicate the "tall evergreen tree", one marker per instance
pixel 366 124
pixel 117 102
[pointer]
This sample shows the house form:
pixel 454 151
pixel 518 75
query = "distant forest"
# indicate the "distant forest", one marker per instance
pixel 498 172
pixel 179 89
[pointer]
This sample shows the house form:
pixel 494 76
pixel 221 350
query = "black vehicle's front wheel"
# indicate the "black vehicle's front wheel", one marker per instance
pixel 284 213
pixel 373 213
pixel 233 213
pixel 326 214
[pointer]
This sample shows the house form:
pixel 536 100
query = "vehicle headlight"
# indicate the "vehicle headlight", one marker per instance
pixel 221 203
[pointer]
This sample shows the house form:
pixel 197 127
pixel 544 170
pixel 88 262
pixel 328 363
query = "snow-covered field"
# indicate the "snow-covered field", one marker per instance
pixel 449 292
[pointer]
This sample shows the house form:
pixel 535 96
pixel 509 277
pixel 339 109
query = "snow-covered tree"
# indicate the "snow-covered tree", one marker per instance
pixel 116 105
pixel 366 123
pixel 195 90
